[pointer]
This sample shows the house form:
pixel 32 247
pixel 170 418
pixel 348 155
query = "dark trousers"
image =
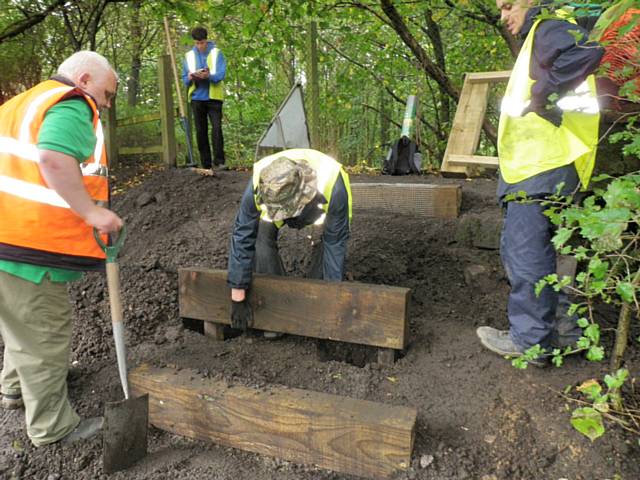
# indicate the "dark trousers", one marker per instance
pixel 203 112
pixel 528 255
pixel 267 258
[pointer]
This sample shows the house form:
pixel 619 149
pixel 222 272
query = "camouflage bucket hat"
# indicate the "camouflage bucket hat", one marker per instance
pixel 286 186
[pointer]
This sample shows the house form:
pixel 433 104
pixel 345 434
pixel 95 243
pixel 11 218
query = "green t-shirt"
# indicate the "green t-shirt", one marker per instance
pixel 67 128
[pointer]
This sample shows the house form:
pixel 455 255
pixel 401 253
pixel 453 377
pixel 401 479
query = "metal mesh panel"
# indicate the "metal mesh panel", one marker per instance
pixel 440 201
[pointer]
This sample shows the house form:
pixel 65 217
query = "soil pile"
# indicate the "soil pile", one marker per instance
pixel 479 418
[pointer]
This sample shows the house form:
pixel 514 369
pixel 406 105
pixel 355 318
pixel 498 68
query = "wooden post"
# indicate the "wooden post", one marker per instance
pixel 214 331
pixel 109 122
pixel 386 357
pixel 167 123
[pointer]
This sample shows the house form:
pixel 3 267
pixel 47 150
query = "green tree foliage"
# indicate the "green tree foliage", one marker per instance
pixel 366 69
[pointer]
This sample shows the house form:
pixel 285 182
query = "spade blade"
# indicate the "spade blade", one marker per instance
pixel 125 433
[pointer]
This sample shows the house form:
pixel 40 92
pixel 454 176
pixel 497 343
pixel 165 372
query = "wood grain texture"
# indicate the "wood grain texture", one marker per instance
pixel 214 331
pixel 352 312
pixel 141 150
pixel 137 119
pixel 438 201
pixel 474 160
pixel 491 77
pixel 167 121
pixel 467 123
pixel 346 435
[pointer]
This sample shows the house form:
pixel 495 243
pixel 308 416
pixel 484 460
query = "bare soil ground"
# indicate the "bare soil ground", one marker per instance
pixel 479 418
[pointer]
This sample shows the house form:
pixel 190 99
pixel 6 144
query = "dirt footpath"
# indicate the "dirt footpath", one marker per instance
pixel 479 418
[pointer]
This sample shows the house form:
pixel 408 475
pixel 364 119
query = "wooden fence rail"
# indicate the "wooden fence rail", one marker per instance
pixel 168 149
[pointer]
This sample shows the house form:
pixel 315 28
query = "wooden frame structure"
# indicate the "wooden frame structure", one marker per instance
pixel 459 157
pixel 168 148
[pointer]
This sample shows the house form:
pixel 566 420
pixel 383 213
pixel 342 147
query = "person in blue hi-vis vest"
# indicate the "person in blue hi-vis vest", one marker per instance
pixel 547 138
pixel 203 72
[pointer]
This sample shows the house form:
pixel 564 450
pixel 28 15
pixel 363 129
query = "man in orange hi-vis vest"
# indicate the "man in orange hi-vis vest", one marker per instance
pixel 53 192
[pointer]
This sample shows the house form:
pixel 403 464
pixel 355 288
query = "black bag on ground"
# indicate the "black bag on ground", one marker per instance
pixel 401 158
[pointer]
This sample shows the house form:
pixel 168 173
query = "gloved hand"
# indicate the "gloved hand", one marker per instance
pixel 241 315
pixel 552 114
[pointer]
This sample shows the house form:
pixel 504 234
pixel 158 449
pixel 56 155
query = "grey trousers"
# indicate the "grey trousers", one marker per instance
pixel 35 323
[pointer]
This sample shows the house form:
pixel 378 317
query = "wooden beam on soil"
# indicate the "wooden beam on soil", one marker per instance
pixel 346 435
pixel 352 312
pixel 439 201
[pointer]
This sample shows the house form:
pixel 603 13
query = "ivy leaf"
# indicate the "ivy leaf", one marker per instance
pixel 598 268
pixel 592 332
pixel 588 421
pixel 583 322
pixel 557 360
pixel 626 291
pixel 595 353
pixel 616 380
pixel 583 342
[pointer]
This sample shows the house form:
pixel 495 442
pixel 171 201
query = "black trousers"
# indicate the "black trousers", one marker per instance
pixel 203 112
pixel 267 258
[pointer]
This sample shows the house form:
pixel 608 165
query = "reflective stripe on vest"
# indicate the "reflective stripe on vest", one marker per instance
pixel 34 215
pixel 327 171
pixel 216 91
pixel 530 145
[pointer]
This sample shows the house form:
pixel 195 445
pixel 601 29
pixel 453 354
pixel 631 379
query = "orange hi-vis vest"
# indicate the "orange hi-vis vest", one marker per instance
pixel 34 216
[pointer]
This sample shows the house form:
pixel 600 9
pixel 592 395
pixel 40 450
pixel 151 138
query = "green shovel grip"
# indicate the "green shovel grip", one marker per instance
pixel 111 250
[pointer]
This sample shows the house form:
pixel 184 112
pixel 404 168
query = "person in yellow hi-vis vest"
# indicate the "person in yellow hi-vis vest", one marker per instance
pixel 203 72
pixel 294 188
pixel 53 192
pixel 547 139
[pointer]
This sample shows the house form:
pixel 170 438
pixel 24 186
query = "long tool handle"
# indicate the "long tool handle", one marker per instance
pixel 113 283
pixel 173 66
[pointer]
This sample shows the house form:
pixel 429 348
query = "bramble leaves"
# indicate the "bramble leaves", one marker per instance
pixel 626 290
pixel 588 421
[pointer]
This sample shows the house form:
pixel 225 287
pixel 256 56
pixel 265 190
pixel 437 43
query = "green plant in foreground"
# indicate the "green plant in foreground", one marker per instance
pixel 589 420
pixel 603 233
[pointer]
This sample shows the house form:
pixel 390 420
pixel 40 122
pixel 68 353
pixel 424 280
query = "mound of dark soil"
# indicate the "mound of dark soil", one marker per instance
pixel 479 418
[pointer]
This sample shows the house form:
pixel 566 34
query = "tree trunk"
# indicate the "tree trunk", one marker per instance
pixel 433 32
pixel 312 81
pixel 622 331
pixel 133 84
pixel 431 69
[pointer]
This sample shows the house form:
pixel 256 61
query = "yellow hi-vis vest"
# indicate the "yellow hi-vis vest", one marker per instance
pixel 531 145
pixel 327 171
pixel 216 90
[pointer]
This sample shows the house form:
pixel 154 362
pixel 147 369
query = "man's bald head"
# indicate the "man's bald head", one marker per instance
pixel 93 74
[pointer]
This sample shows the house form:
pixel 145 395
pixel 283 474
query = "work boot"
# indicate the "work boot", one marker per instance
pixel 500 342
pixel 12 402
pixel 86 429
pixel 561 340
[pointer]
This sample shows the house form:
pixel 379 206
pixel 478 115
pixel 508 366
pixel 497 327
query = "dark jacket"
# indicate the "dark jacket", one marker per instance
pixel 559 63
pixel 245 231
